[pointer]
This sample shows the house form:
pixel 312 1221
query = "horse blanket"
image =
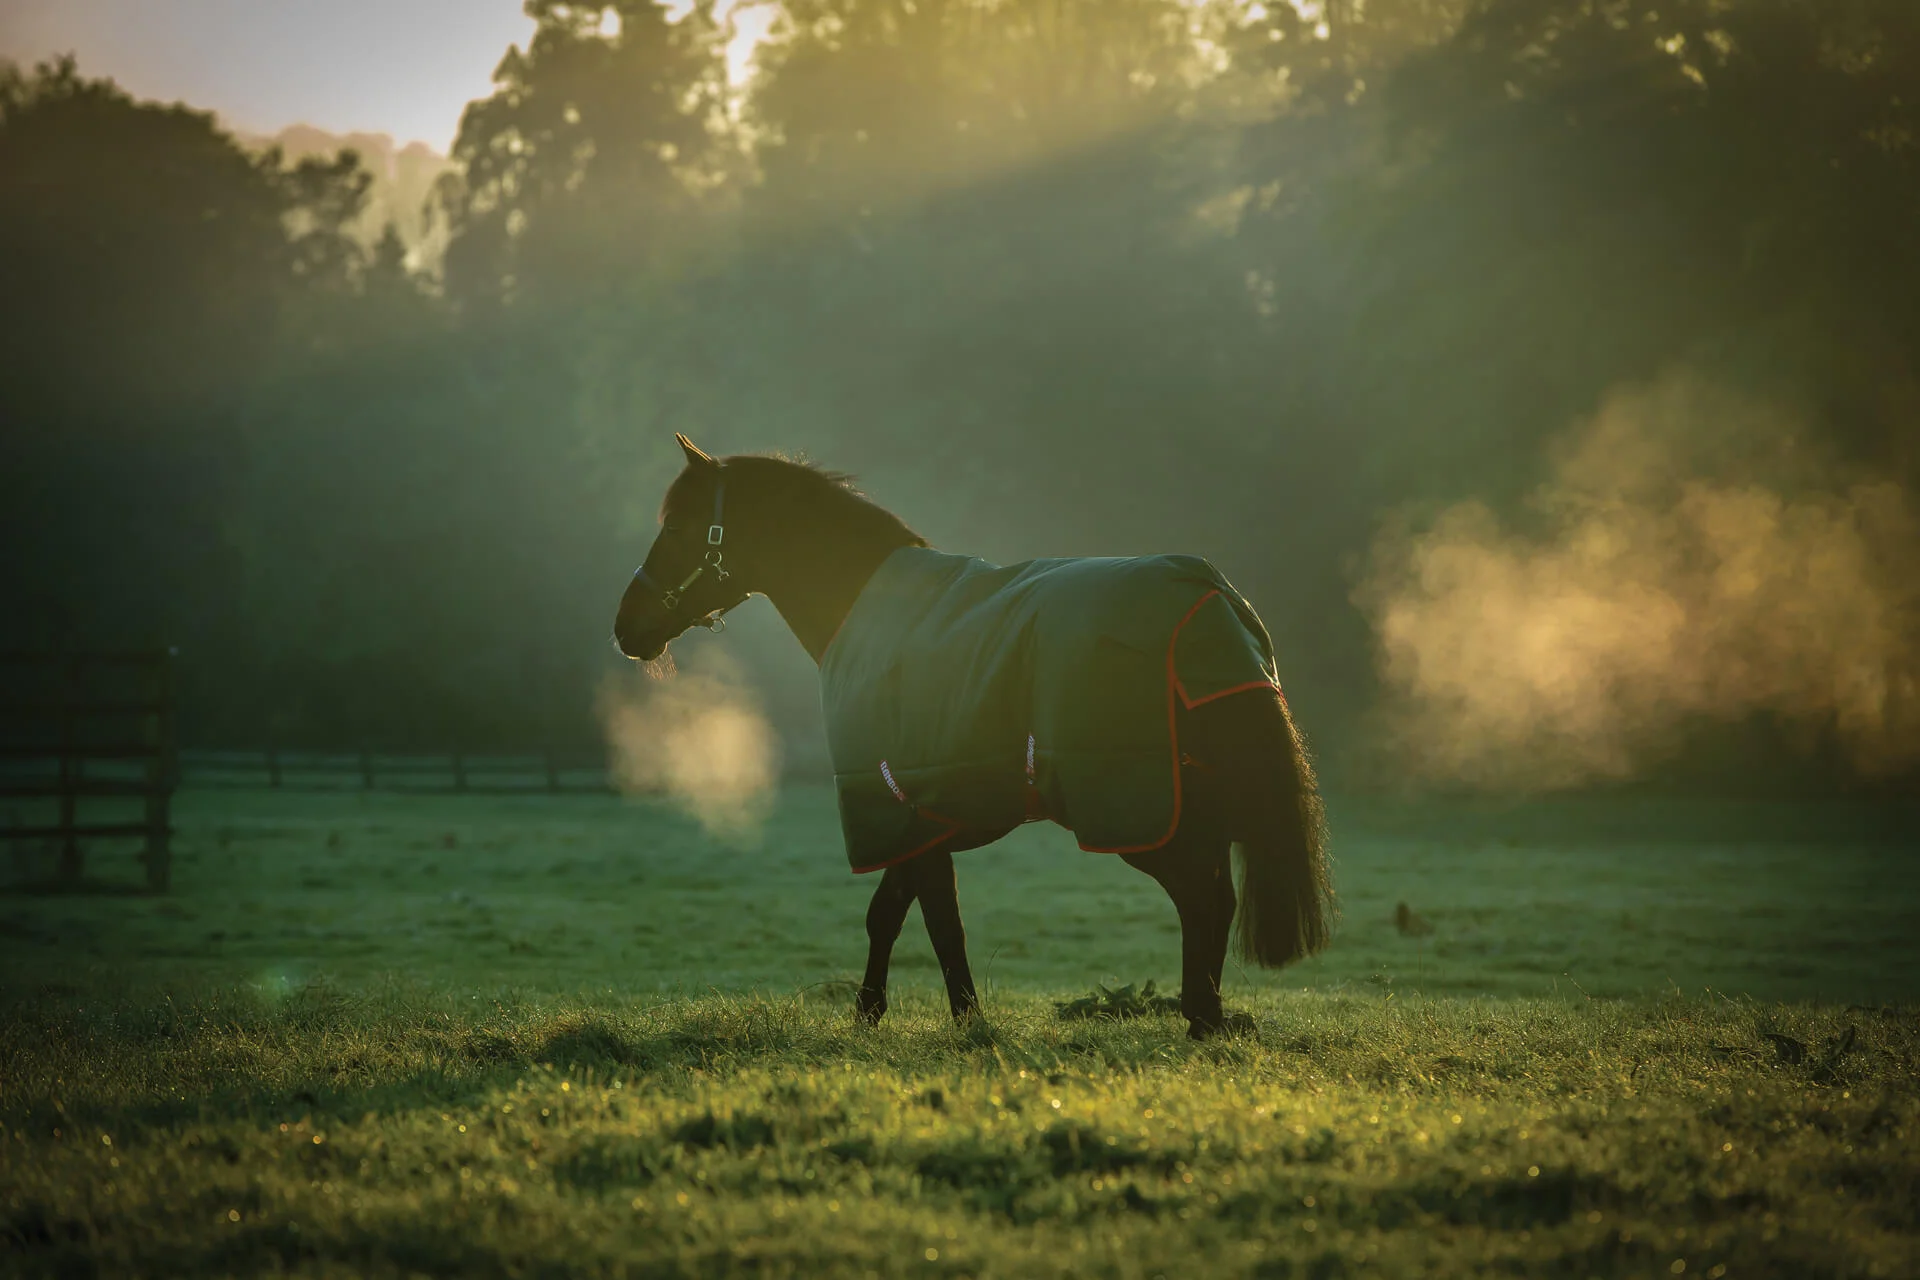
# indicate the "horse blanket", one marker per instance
pixel 963 698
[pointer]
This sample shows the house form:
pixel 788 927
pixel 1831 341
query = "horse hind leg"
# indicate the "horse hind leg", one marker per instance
pixel 1221 902
pixel 1198 876
pixel 1257 783
pixel 940 907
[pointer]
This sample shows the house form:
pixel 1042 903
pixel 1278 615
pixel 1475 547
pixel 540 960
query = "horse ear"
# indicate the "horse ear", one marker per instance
pixel 696 456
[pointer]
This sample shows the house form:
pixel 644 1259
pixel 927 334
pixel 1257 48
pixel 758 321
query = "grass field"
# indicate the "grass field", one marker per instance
pixel 480 1036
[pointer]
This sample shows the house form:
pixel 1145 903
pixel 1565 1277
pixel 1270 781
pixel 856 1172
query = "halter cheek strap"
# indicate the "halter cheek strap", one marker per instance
pixel 714 562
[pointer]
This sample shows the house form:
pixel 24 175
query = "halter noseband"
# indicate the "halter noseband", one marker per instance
pixel 714 561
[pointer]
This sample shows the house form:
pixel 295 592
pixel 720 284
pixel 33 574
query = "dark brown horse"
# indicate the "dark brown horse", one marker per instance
pixel 808 541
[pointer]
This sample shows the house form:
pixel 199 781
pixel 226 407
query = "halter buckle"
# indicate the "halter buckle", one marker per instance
pixel 716 534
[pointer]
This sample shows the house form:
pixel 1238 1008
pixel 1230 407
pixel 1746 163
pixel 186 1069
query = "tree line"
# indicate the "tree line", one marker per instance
pixel 1054 276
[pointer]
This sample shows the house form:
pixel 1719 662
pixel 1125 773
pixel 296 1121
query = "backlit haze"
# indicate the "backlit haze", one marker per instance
pixel 401 67
pixel 1556 413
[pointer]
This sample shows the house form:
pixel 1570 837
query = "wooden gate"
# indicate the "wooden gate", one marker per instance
pixel 83 732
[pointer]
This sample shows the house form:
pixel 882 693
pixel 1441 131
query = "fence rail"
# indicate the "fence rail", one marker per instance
pixel 53 788
pixel 527 774
pixel 82 732
pixel 82 750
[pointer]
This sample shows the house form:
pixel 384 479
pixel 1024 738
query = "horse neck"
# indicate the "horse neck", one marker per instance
pixel 814 569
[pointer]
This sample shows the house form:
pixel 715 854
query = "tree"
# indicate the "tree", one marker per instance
pixel 147 271
pixel 601 145
pixel 136 234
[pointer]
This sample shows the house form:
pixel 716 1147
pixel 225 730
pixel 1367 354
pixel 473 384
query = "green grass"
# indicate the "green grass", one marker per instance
pixel 389 1035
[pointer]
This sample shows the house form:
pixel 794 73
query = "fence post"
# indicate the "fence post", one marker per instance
pixel 70 770
pixel 366 769
pixel 162 773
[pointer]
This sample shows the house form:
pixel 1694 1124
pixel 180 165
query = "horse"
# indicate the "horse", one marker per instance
pixel 811 542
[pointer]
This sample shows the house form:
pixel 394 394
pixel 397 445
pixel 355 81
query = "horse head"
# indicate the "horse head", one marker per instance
pixel 685 580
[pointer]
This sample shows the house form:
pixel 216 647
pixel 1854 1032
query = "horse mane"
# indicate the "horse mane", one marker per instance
pixel 795 485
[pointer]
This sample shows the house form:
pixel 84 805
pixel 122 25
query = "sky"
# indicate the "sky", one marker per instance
pixel 402 67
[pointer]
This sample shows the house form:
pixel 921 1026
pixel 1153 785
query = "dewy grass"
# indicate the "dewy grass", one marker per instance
pixel 579 894
pixel 620 1050
pixel 404 1132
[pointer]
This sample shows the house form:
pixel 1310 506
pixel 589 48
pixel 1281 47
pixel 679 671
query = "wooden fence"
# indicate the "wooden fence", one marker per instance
pixel 82 731
pixel 548 773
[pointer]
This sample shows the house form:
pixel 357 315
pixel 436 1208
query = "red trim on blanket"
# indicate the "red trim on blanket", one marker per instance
pixel 1215 697
pixel 1192 702
pixel 1173 734
pixel 953 827
pixel 928 847
pixel 1176 695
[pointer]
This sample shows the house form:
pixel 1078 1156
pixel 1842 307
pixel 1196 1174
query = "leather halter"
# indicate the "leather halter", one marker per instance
pixel 713 562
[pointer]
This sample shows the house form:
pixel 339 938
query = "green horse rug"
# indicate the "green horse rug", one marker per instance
pixel 963 698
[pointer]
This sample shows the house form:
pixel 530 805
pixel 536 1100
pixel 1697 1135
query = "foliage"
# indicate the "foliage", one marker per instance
pixel 156 276
pixel 145 238
pixel 1056 276
pixel 402 179
pixel 592 162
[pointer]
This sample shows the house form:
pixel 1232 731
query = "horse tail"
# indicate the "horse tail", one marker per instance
pixel 1286 885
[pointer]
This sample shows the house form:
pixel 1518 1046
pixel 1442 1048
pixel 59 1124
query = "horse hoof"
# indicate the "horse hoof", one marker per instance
pixel 869 1012
pixel 1227 1024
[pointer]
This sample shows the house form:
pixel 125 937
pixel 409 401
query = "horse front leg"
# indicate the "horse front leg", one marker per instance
pixel 885 914
pixel 940 907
